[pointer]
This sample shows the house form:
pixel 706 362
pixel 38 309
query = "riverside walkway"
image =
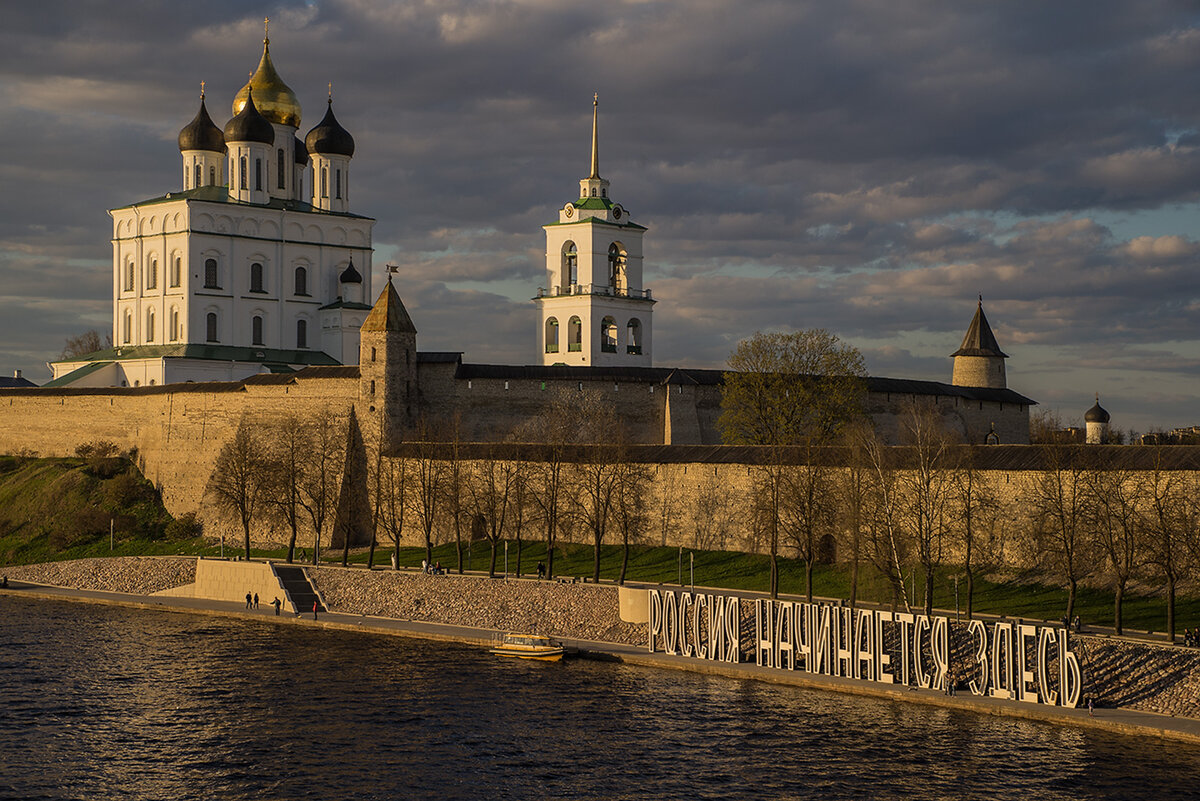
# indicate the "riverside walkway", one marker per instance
pixel 1120 720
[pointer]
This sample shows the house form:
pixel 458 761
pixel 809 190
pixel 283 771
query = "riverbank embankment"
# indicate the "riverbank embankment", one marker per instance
pixel 1133 680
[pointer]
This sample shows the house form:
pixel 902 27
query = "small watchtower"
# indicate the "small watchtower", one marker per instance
pixel 1095 423
pixel 388 364
pixel 979 362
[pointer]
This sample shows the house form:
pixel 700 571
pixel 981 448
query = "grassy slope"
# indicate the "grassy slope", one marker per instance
pixel 53 509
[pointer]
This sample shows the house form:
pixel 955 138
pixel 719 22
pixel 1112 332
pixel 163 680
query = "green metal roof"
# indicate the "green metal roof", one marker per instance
pixel 220 194
pixel 342 304
pixel 594 203
pixel 220 353
pixel 597 221
pixel 75 375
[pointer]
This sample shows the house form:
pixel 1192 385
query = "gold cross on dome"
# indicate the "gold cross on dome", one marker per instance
pixel 202 90
pixel 595 97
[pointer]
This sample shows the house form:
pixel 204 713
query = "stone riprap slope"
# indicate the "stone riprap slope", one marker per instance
pixel 582 611
pixel 1151 678
pixel 140 575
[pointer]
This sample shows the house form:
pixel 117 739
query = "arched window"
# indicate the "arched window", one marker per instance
pixel 608 335
pixel 127 335
pixel 256 277
pixel 593 191
pixel 242 173
pixel 196 181
pixel 210 274
pixel 176 271
pixel 324 182
pixel 301 281
pixel 174 324
pixel 633 337
pixel 337 184
pixel 212 176
pixel 258 174
pixel 210 327
pixel 150 325
pixel 281 168
pixel 152 274
pixel 552 335
pixel 616 268
pixel 575 335
pixel 372 354
pixel 129 273
pixel 256 330
pixel 301 333
pixel 570 267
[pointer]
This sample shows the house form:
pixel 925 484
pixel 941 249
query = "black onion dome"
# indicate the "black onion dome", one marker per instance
pixel 201 133
pixel 249 126
pixel 329 138
pixel 350 275
pixel 301 152
pixel 1096 414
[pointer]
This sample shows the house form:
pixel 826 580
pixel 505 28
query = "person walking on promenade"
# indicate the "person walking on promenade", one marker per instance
pixel 314 610
pixel 1091 709
pixel 276 603
pixel 1078 624
pixel 247 600
pixel 541 571
pixel 256 600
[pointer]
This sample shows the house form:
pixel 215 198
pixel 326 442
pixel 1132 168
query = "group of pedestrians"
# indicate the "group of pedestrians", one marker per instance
pixel 1191 638
pixel 432 568
pixel 252 602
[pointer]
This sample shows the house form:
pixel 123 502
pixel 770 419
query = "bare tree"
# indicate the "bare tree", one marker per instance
pixel 629 504
pixel 710 512
pixel 852 485
pixel 393 500
pixel 786 390
pixel 976 505
pixel 520 504
pixel 1060 510
pixel 1116 496
pixel 927 488
pixel 489 485
pixel 1169 522
pixel 321 482
pixel 84 344
pixel 807 512
pixel 289 454
pixel 239 478
pixel 428 479
pixel 557 430
pixel 885 547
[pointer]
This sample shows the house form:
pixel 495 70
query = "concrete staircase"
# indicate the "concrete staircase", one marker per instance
pixel 295 583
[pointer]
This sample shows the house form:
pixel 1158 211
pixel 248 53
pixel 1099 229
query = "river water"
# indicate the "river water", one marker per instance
pixel 107 703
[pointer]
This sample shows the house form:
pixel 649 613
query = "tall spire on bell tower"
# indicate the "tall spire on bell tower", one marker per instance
pixel 594 185
pixel 595 137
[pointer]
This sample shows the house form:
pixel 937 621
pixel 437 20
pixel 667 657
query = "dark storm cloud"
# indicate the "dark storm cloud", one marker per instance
pixel 866 166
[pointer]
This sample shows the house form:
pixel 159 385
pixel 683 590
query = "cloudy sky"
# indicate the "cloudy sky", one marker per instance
pixel 866 166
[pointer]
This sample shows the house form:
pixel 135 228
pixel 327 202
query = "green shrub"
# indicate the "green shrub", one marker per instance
pixel 184 527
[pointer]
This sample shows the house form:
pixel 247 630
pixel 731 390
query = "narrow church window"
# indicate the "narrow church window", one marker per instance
pixel 593 191
pixel 570 268
pixel 337 185
pixel 210 274
pixel 210 327
pixel 603 193
pixel 128 328
pixel 372 386
pixel 129 277
pixel 552 335
pixel 281 168
pixel 372 354
pixel 301 281
pixel 212 176
pixel 256 277
pixel 196 181
pixel 150 325
pixel 174 324
pixel 242 173
pixel 616 267
pixel 258 174
pixel 152 275
pixel 256 330
pixel 176 271
pixel 301 333
pixel 324 182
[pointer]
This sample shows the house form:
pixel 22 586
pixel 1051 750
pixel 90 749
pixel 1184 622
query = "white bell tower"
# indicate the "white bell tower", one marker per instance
pixel 594 309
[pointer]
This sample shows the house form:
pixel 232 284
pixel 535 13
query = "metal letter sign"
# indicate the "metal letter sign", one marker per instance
pixel 1008 661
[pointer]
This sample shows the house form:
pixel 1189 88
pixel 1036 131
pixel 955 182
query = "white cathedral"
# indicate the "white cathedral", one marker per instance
pixel 244 271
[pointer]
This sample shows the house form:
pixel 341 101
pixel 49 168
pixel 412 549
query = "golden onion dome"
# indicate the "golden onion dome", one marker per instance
pixel 274 99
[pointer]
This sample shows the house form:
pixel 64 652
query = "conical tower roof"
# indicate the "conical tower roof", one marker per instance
pixel 980 341
pixel 389 314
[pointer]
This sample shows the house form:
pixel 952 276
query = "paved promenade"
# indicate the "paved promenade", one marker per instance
pixel 1141 724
